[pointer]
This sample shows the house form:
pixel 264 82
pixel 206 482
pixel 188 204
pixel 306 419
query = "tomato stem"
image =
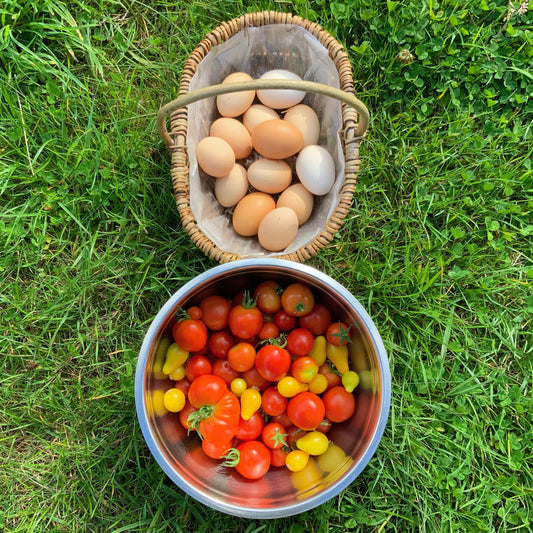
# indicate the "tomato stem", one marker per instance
pixel 197 416
pixel 232 457
pixel 343 333
pixel 248 302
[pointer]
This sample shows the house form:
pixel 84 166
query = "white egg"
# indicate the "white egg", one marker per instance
pixel 316 169
pixel 280 98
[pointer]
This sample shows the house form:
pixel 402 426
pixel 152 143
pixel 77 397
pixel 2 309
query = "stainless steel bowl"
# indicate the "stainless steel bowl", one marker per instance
pixel 280 493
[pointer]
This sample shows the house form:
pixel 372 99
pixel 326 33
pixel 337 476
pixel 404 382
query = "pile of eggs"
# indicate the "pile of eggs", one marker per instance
pixel 251 151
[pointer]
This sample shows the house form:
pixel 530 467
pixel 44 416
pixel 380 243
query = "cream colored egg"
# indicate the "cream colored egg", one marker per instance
pixel 215 156
pixel 256 114
pixel 280 98
pixel 234 133
pixel 316 169
pixel 278 229
pixel 235 104
pixel 249 212
pixel 299 199
pixel 277 139
pixel 231 188
pixel 270 175
pixel 306 120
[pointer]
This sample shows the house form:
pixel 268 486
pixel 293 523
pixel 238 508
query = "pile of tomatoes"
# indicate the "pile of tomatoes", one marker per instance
pixel 261 377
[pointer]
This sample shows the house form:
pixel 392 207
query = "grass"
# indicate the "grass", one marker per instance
pixel 437 246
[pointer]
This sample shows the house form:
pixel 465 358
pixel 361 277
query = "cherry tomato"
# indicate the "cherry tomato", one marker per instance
pixel 272 362
pixel 338 333
pixel 317 320
pixel 325 426
pixel 217 422
pixel 284 321
pixel 184 415
pixel 306 410
pixel 219 343
pixel 216 449
pixel 183 385
pixel 283 419
pixel 304 369
pixel 206 390
pixel 314 443
pixel 278 457
pixel 333 378
pixel 296 460
pixel 254 379
pixel 241 356
pixel 197 365
pixel 194 312
pixel 222 369
pixel 254 459
pixel 272 402
pixel 269 331
pixel 215 312
pixel 274 435
pixel 174 400
pixel 250 429
pixel 294 433
pixel 268 296
pixel 339 404
pixel 300 342
pixel 297 299
pixel 190 335
pixel 245 320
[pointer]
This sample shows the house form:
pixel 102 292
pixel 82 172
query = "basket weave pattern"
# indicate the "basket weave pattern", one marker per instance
pixel 178 133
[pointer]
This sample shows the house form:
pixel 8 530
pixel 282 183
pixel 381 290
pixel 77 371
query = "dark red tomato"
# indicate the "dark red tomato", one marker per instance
pixel 268 331
pixel 196 366
pixel 183 385
pixel 339 404
pixel 206 390
pixel 215 311
pixel 194 312
pixel 300 342
pixel 272 362
pixel 278 457
pixel 317 320
pixel 184 415
pixel 219 343
pixel 274 435
pixel 324 426
pixel 272 402
pixel 254 459
pixel 241 356
pixel 190 335
pixel 338 333
pixel 245 320
pixel 254 379
pixel 250 429
pixel 297 299
pixel 222 369
pixel 283 419
pixel 284 321
pixel 268 296
pixel 333 378
pixel 306 410
pixel 293 434
pixel 217 449
pixel 238 298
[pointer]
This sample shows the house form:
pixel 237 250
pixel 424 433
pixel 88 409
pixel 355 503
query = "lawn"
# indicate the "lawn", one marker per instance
pixel 437 246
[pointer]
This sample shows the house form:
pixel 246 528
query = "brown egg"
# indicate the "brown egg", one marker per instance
pixel 278 229
pixel 249 212
pixel 277 139
pixel 231 188
pixel 235 104
pixel 234 133
pixel 299 199
pixel 256 114
pixel 215 156
pixel 270 175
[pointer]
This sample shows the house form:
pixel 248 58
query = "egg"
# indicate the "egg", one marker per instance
pixel 306 120
pixel 277 139
pixel 249 212
pixel 215 156
pixel 280 98
pixel 278 229
pixel 231 188
pixel 235 104
pixel 270 175
pixel 234 133
pixel 316 169
pixel 299 199
pixel 256 114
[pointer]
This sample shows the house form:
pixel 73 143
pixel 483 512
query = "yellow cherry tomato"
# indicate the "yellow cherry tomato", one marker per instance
pixel 313 443
pixel 296 460
pixel 238 386
pixel 289 386
pixel 318 384
pixel 350 380
pixel 250 403
pixel 318 351
pixel 338 355
pixel 174 400
pixel 178 374
pixel 175 357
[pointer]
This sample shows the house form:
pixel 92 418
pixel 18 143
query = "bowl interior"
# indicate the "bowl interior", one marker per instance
pixel 280 492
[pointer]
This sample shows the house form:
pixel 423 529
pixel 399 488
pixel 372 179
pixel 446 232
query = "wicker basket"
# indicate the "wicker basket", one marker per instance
pixel 354 124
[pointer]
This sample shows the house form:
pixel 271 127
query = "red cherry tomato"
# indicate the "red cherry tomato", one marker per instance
pixel 272 402
pixel 222 369
pixel 339 404
pixel 277 457
pixel 269 331
pixel 254 459
pixel 245 320
pixel 306 410
pixel 184 415
pixel 297 299
pixel 284 321
pixel 300 342
pixel 333 378
pixel 283 419
pixel 183 385
pixel 274 435
pixel 215 312
pixel 206 390
pixel 190 335
pixel 241 356
pixel 216 449
pixel 196 366
pixel 194 312
pixel 254 379
pixel 272 362
pixel 338 333
pixel 250 429
pixel 268 296
pixel 219 343
pixel 317 320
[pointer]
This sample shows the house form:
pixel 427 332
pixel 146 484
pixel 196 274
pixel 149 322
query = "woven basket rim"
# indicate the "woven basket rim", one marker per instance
pixel 178 132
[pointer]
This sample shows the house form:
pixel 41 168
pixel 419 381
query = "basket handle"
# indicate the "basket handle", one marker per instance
pixel 224 88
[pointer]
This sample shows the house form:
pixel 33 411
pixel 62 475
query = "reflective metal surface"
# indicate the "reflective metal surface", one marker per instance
pixel 280 493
